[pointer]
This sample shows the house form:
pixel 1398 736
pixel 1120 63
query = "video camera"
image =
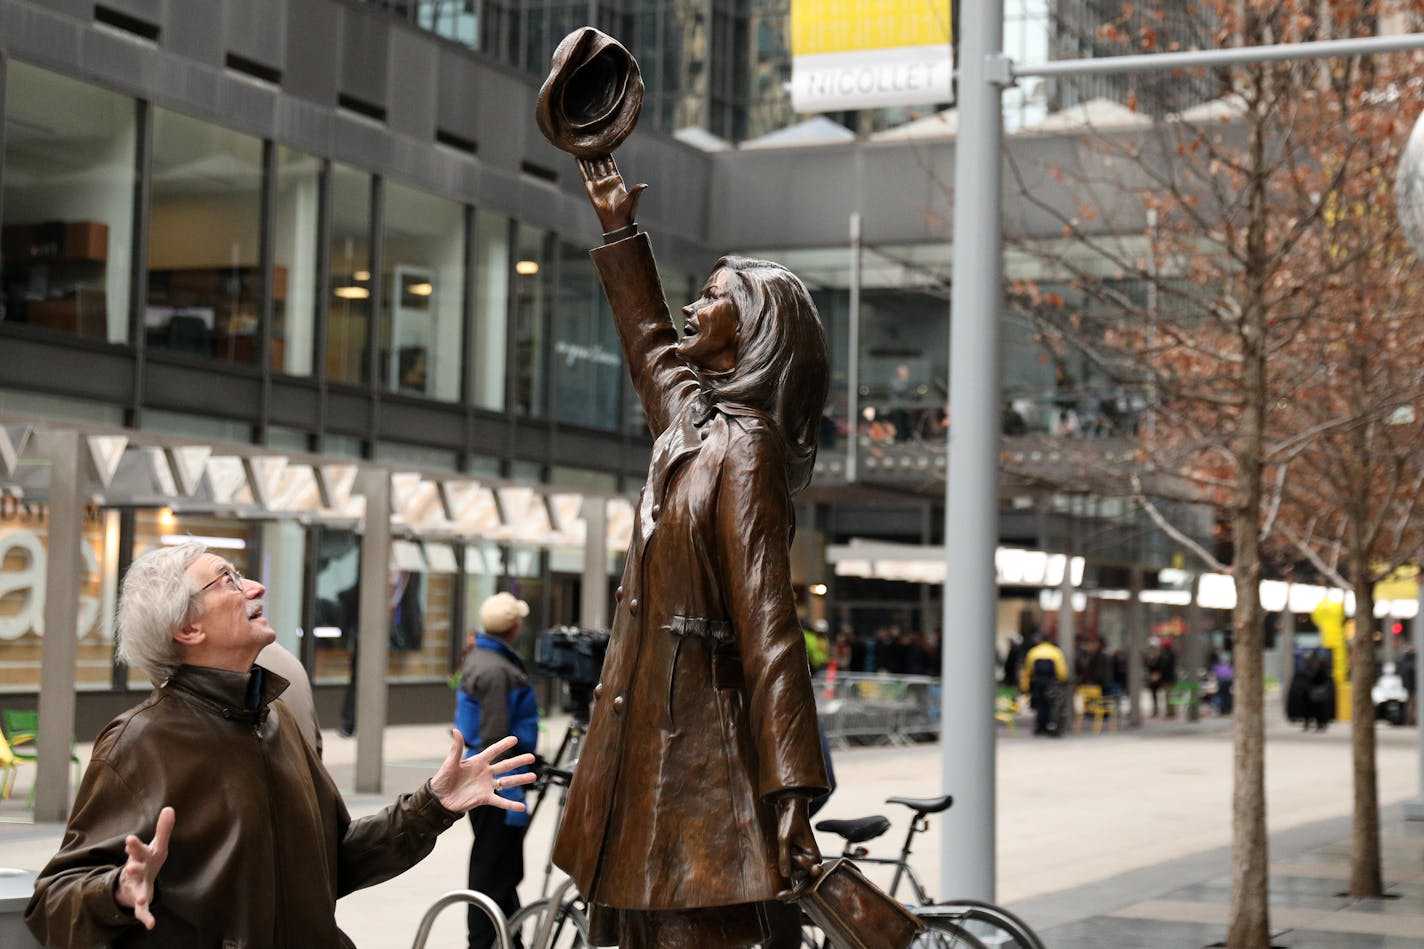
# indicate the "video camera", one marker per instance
pixel 576 656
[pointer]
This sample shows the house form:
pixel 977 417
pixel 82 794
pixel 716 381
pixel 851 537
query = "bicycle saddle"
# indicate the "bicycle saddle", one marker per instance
pixel 856 831
pixel 924 805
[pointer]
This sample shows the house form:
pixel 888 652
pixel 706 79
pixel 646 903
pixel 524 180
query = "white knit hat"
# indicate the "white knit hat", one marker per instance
pixel 501 612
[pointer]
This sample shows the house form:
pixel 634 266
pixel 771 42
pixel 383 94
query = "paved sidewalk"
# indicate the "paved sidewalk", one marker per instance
pixel 1112 840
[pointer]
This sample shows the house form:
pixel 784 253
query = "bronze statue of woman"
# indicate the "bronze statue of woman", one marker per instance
pixel 687 815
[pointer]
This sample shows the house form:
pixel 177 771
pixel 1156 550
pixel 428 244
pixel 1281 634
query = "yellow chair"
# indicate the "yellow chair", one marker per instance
pixel 1006 706
pixel 1092 702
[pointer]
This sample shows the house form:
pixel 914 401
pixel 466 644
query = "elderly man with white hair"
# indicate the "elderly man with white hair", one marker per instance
pixel 205 818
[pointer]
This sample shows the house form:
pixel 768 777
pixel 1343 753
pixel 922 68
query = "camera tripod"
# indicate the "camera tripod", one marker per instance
pixel 559 771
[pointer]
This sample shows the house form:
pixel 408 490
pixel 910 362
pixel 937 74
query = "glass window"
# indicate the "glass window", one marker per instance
pixel 423 258
pixel 491 293
pixel 587 352
pixel 294 251
pixel 68 204
pixel 349 304
pixel 204 282
pixel 420 599
pixel 24 548
pixel 532 293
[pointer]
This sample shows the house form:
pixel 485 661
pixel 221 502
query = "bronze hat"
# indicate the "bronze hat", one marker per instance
pixel 590 102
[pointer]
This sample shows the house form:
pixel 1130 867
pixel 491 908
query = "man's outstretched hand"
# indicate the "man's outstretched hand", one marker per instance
pixel 460 786
pixel 614 203
pixel 134 889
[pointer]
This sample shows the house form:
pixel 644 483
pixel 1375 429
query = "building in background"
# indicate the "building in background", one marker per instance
pixel 256 252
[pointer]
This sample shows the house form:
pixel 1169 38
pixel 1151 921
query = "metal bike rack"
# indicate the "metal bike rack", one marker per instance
pixel 490 907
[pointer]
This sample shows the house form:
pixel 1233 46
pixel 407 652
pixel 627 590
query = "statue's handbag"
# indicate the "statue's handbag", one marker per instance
pixel 853 912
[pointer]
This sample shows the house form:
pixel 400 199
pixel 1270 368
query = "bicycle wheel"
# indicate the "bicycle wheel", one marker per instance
pixel 943 933
pixel 570 926
pixel 991 924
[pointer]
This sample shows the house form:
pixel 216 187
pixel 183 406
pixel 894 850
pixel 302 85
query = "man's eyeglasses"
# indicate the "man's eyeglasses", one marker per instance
pixel 229 574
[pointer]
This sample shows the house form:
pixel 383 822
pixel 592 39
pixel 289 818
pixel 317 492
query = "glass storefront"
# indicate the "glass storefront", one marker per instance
pixel 422 310
pixel 296 207
pixel 348 306
pixel 24 542
pixel 205 286
pixel 70 159
pixel 533 296
pixel 587 353
pixel 491 292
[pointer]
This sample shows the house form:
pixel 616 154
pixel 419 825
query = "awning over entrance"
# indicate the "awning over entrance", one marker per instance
pixel 135 469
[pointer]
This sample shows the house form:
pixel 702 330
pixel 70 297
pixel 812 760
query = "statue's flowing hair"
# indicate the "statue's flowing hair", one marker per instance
pixel 782 368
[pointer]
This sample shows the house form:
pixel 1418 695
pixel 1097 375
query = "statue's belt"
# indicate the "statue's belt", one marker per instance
pixel 717 630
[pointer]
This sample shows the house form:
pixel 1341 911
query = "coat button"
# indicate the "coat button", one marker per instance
pixel 633 606
pixel 598 691
pixel 657 509
pixel 702 434
pixel 618 704
pixel 618 594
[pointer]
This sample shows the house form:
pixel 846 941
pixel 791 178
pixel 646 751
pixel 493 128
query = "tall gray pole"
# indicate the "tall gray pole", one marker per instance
pixel 853 353
pixel 593 592
pixel 64 570
pixel 967 836
pixel 374 635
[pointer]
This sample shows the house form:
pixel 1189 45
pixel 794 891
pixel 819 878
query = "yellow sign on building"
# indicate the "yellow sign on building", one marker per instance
pixel 857 54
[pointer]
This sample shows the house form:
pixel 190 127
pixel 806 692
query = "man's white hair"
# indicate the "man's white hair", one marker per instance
pixel 157 598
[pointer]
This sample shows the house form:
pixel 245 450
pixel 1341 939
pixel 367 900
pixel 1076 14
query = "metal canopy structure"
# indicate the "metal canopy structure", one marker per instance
pixel 67 468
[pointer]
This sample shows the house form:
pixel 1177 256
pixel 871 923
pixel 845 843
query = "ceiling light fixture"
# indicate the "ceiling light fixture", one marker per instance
pixel 527 268
pixel 352 293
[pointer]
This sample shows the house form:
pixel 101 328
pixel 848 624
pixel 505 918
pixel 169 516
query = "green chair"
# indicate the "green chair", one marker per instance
pixel 9 767
pixel 22 729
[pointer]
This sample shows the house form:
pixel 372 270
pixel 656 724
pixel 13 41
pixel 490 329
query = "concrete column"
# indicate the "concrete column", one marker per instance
pixel 373 637
pixel 593 593
pixel 1195 652
pixel 64 571
pixel 1136 638
pixel 967 837
pixel 1067 622
pixel 283 564
pixel 1287 647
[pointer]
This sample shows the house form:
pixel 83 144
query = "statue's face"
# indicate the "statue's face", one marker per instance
pixel 709 335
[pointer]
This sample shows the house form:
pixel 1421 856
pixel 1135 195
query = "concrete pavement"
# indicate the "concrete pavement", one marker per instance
pixel 1111 840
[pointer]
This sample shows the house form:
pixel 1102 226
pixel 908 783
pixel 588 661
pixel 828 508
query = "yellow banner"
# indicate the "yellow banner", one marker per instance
pixel 839 26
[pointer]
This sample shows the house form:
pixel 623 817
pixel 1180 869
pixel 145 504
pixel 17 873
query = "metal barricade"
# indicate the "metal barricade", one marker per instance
pixel 863 708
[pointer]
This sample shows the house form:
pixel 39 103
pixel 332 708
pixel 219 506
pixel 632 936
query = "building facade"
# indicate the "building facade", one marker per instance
pixel 253 253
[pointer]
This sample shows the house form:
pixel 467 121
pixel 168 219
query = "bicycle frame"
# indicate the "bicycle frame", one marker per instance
pixel 903 870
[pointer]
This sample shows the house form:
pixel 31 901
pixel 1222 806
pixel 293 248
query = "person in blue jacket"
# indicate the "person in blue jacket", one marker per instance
pixel 495 699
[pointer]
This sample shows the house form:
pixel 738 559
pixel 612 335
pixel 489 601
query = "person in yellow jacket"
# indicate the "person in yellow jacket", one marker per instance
pixel 1043 676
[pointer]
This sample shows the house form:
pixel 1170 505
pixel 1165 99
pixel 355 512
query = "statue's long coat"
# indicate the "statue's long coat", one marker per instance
pixel 705 712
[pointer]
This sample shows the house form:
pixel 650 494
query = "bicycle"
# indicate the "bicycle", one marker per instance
pixel 973 923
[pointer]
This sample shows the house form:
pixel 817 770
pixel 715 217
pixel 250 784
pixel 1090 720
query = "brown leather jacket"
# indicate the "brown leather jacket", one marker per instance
pixel 705 713
pixel 262 844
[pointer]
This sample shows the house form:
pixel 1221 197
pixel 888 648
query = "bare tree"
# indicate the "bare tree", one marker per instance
pixel 1241 248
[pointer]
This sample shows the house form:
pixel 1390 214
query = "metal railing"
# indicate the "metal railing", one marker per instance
pixel 861 708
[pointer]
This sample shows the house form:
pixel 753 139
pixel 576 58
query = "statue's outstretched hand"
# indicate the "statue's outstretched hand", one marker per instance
pixel 615 204
pixel 134 887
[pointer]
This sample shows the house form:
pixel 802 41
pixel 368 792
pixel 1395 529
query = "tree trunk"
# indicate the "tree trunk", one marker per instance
pixel 1366 877
pixel 1249 924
